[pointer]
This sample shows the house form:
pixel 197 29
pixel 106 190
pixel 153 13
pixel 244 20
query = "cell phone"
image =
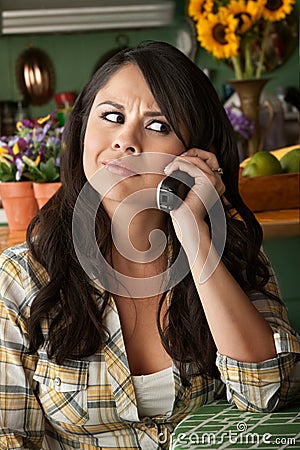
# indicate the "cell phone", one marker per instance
pixel 173 189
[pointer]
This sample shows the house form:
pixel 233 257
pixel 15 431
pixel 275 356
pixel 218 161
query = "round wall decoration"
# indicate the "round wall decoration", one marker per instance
pixel 35 76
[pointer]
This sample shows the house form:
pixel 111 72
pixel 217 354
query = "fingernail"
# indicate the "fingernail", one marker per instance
pixel 183 154
pixel 167 168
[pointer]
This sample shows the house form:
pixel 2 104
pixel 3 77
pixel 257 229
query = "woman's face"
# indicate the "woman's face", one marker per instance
pixel 128 141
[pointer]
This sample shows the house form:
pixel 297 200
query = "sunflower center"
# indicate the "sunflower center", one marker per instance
pixel 273 5
pixel 219 34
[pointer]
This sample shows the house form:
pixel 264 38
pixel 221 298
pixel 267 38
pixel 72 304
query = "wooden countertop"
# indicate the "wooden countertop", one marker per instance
pixel 275 224
pixel 279 224
pixel 10 238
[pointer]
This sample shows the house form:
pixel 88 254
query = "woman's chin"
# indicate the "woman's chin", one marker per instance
pixel 140 199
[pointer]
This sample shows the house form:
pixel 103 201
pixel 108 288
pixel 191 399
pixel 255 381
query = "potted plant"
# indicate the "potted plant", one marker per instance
pixel 31 156
pixel 43 165
pixel 16 190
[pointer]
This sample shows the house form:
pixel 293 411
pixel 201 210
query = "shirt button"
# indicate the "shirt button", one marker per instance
pixel 57 381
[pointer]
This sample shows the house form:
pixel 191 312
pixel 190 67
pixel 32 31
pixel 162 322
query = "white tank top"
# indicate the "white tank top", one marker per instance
pixel 155 393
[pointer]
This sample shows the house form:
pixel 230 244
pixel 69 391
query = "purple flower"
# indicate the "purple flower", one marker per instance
pixel 28 152
pixel 27 123
pixel 243 126
pixel 40 134
pixel 22 143
pixel 31 147
pixel 13 140
pixel 20 167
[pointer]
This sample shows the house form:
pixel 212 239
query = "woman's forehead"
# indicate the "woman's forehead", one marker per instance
pixel 127 83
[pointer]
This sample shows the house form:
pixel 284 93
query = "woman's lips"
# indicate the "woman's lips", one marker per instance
pixel 114 167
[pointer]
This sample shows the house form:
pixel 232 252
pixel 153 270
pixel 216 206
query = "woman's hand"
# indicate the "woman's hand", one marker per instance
pixel 207 189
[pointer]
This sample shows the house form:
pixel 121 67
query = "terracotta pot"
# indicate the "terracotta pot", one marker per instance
pixel 19 203
pixel 44 191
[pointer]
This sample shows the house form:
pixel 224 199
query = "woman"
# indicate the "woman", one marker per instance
pixel 94 355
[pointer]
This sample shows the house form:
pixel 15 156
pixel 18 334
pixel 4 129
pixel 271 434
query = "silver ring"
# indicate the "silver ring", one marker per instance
pixel 218 170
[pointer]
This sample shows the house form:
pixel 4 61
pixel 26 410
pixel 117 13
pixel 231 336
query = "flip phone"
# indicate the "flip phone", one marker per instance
pixel 172 190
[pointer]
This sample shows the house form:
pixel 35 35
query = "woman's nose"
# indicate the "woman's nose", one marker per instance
pixel 127 142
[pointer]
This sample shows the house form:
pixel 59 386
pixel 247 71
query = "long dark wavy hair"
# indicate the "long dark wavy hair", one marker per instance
pixel 70 299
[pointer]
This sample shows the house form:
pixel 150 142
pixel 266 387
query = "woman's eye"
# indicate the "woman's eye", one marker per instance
pixel 160 127
pixel 113 117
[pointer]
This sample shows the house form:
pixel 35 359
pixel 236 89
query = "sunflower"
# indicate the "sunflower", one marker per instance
pixel 216 33
pixel 277 9
pixel 229 29
pixel 255 8
pixel 247 13
pixel 198 8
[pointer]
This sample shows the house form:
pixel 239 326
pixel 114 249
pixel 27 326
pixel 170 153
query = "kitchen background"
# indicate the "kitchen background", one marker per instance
pixel 74 56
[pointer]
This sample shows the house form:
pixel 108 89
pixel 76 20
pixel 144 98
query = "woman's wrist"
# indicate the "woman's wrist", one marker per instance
pixel 196 239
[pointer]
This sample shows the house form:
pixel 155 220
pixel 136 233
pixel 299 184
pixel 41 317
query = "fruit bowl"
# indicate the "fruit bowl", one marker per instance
pixel 271 192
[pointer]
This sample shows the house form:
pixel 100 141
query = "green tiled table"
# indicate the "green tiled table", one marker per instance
pixel 222 426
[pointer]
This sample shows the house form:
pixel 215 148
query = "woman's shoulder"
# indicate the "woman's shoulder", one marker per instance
pixel 10 252
pixel 19 263
pixel 21 277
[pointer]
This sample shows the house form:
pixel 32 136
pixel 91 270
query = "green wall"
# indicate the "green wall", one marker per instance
pixel 284 255
pixel 74 56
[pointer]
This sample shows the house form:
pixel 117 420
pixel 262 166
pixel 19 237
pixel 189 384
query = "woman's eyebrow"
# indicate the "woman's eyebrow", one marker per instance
pixel 115 105
pixel 153 113
pixel 121 108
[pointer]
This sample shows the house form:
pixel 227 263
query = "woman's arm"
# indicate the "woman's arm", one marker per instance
pixel 258 352
pixel 257 349
pixel 271 384
pixel 238 329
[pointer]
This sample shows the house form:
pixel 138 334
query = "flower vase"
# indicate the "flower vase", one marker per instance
pixel 44 191
pixel 19 203
pixel 249 91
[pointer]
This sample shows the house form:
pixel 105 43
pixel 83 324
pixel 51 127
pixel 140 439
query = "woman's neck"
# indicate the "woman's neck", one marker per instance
pixel 141 231
pixel 140 245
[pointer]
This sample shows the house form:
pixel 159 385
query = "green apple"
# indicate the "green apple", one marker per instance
pixel 290 162
pixel 262 164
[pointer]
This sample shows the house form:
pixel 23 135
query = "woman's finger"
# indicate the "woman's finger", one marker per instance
pixel 208 156
pixel 197 167
pixel 208 159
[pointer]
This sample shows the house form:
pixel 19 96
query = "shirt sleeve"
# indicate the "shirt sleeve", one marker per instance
pixel 271 384
pixel 21 418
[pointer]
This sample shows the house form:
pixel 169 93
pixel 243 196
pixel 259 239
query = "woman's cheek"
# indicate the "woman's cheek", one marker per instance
pixel 89 165
pixel 91 154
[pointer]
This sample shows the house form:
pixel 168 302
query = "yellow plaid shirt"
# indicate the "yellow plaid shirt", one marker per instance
pixel 90 404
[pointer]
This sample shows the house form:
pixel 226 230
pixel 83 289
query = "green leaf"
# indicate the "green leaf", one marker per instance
pixel 7 172
pixel 49 170
pixel 29 162
pixel 7 159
